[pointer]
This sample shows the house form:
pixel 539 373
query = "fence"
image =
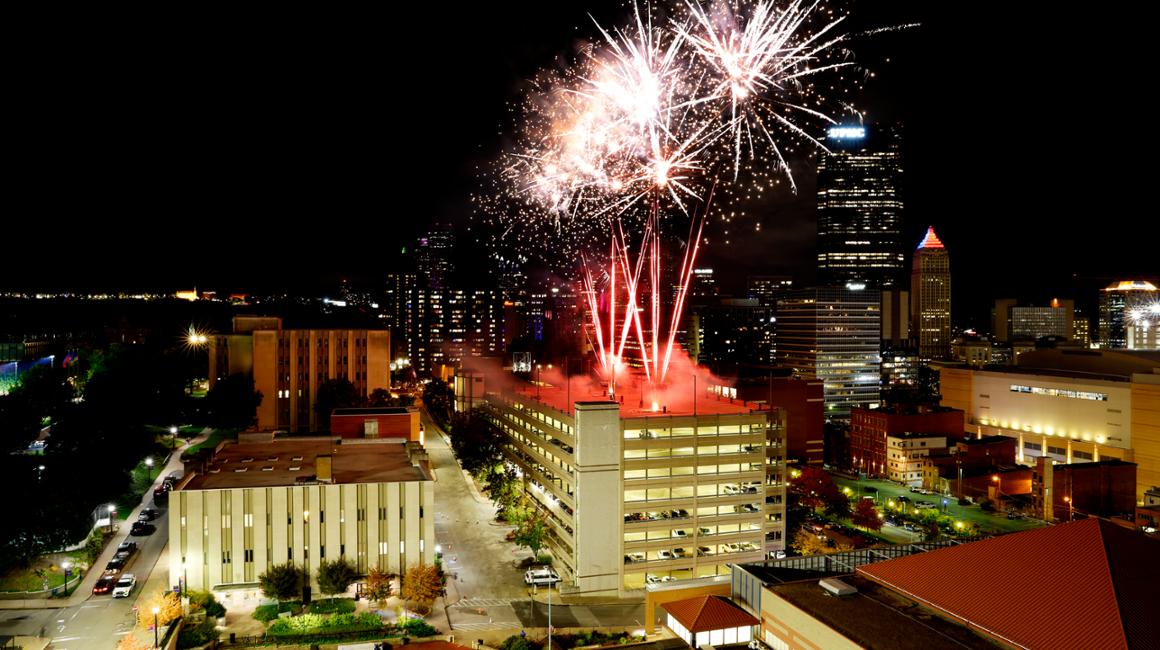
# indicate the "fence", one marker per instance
pixel 43 593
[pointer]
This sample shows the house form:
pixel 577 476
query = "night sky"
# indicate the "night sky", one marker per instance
pixel 281 150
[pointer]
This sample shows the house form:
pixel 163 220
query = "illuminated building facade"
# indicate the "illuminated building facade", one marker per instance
pixel 634 496
pixel 832 334
pixel 434 255
pixel 930 297
pixel 859 207
pixel 1120 304
pixel 259 502
pixel 1014 322
pixel 767 289
pixel 288 366
pixel 1069 406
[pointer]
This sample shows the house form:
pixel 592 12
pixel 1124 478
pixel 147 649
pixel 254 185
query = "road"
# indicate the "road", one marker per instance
pixel 99 621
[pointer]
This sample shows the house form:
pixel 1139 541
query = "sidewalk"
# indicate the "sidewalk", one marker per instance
pixel 82 591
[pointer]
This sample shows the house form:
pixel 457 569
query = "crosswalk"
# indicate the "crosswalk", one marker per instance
pixel 476 603
pixel 501 625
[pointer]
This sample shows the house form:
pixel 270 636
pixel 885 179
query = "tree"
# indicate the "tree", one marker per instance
pixel 866 515
pixel 168 609
pixel 807 543
pixel 205 600
pixel 378 585
pixel 130 642
pixel 438 398
pixel 837 505
pixel 504 489
pixel 233 402
pixel 476 444
pixel 283 581
pixel 335 576
pixel 335 394
pixel 381 397
pixel 532 532
pixel 423 583
pixel 814 487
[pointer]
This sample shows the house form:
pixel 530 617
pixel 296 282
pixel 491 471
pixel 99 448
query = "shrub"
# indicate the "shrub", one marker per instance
pixel 267 613
pixel 192 636
pixel 416 627
pixel 517 642
pixel 332 606
pixel 206 601
pixel 544 558
pixel 324 624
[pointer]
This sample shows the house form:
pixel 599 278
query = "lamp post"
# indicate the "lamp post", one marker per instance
pixel 149 464
pixel 67 566
pixel 1067 500
pixel 156 641
pixel 172 437
pixel 112 512
pixel 184 578
pixel 539 367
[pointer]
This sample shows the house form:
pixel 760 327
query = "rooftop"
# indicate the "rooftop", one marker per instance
pixel 877 617
pixel 705 613
pixel 637 398
pixel 283 462
pixel 1094 585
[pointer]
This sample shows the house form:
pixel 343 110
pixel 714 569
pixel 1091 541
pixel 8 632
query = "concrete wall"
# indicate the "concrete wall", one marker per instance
pixel 785 626
pixel 209 526
pixel 1145 422
pixel 599 495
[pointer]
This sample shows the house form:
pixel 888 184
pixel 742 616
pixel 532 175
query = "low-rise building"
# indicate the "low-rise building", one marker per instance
pixel 1102 489
pixel 400 422
pixel 907 452
pixel 264 501
pixel 869 429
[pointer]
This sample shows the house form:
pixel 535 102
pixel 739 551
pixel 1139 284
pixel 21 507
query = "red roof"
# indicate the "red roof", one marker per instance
pixel 705 613
pixel 1087 584
pixel 931 240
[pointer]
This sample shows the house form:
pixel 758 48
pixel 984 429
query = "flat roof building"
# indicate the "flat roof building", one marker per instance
pixel 264 501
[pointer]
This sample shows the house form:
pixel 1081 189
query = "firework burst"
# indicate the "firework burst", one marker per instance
pixel 642 128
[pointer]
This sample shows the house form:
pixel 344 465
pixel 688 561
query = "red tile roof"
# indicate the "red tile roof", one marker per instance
pixel 705 613
pixel 1087 584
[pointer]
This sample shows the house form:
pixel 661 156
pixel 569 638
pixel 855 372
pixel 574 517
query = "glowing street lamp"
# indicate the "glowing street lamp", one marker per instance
pixel 149 464
pixel 156 641
pixel 67 566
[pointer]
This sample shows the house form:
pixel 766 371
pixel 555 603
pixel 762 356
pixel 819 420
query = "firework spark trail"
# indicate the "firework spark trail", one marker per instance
pixel 644 125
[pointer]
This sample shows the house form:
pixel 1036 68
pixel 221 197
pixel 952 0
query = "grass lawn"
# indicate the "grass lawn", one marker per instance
pixel 987 522
pixel 32 578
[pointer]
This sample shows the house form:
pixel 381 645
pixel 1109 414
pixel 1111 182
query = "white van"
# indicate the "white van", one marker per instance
pixel 541 576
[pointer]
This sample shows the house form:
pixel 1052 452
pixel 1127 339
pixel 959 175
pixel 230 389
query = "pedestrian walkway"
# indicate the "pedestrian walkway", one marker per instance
pixel 476 603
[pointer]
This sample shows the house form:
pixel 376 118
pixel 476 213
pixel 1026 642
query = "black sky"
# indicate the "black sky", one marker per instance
pixel 277 149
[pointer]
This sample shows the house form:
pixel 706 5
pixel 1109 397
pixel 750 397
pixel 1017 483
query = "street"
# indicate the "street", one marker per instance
pixel 99 621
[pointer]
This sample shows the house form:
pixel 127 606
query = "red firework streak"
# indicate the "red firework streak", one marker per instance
pixel 655 351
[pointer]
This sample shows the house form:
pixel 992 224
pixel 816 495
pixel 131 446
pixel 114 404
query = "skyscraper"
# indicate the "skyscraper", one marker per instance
pixel 859 208
pixel 833 334
pixel 1118 302
pixel 433 255
pixel 930 297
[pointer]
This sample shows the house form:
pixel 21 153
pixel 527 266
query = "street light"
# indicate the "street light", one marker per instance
pixel 67 566
pixel 1067 500
pixel 112 511
pixel 184 578
pixel 156 641
pixel 149 464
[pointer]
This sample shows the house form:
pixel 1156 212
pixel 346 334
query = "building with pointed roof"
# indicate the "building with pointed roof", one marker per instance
pixel 930 297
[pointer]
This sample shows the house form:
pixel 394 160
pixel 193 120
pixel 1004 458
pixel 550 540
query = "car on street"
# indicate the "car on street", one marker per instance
pixel 141 528
pixel 541 576
pixel 148 514
pixel 124 585
pixel 115 564
pixel 127 546
pixel 105 584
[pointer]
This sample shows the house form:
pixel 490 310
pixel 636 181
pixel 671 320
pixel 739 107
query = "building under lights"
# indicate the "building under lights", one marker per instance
pixel 832 334
pixel 859 207
pixel 288 366
pixel 247 506
pixel 1125 307
pixel 930 298
pixel 637 492
pixel 1068 405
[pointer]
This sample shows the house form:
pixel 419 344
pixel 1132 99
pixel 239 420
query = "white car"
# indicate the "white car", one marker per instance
pixel 664 555
pixel 124 585
pixel 541 576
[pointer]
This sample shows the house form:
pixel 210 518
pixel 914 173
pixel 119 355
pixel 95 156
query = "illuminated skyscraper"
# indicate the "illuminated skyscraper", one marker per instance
pixel 433 255
pixel 930 297
pixel 859 208
pixel 1126 311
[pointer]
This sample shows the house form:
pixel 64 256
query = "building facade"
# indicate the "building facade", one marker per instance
pixel 634 496
pixel 1119 302
pixel 253 504
pixel 870 430
pixel 859 207
pixel 1069 406
pixel 832 335
pixel 288 366
pixel 930 297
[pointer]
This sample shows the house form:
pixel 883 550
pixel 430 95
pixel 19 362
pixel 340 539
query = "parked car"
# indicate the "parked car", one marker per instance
pixel 148 514
pixel 680 552
pixel 141 528
pixel 541 576
pixel 651 579
pixel 664 555
pixel 702 551
pixel 124 586
pixel 115 564
pixel 104 584
pixel 679 533
pixel 636 557
pixel 127 546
